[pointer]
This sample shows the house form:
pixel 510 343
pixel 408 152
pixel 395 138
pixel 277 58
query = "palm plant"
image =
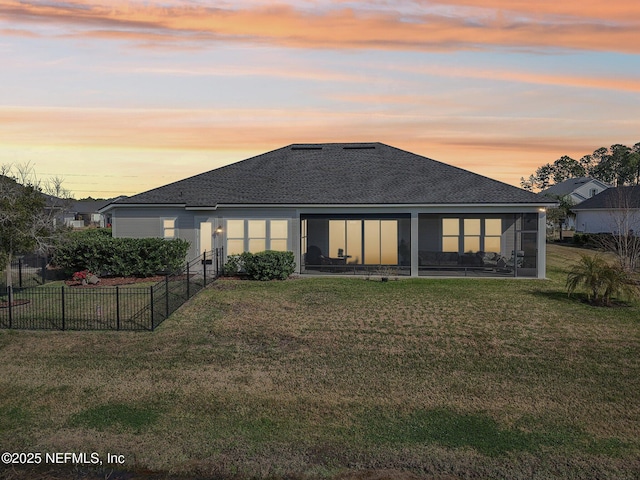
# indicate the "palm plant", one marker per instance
pixel 601 280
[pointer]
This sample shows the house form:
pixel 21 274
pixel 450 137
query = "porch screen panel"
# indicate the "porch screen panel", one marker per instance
pixel 372 242
pixel 471 235
pixel 354 241
pixel 450 234
pixel 389 242
pixel 337 238
pixel 493 235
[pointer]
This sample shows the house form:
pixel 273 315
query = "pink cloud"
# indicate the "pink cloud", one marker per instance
pixel 521 24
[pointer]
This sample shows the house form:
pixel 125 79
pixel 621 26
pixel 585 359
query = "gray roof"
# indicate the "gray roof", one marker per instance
pixel 568 186
pixel 336 173
pixel 616 197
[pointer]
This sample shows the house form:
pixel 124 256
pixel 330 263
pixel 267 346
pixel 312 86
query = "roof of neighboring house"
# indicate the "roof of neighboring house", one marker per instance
pixel 615 197
pixel 335 173
pixel 89 206
pixel 569 186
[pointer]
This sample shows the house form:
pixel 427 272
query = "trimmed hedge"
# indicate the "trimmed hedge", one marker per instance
pixel 267 265
pixel 98 252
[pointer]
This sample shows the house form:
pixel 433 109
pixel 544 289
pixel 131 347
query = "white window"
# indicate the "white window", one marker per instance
pixel 235 237
pixel 279 235
pixel 169 228
pixel 256 236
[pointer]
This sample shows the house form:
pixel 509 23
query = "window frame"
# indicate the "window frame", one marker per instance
pixel 173 229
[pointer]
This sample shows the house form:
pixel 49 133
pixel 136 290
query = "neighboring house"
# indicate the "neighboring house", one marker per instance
pixel 576 190
pixel 349 208
pixel 86 213
pixel 616 210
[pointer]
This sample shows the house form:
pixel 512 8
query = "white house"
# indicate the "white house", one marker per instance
pixel 576 190
pixel 616 210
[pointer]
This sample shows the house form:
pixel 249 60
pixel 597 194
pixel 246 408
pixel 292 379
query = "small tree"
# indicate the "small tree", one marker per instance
pixel 601 280
pixel 560 214
pixel 27 212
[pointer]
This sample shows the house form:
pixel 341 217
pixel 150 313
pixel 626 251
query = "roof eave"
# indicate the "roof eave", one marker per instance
pixel 111 206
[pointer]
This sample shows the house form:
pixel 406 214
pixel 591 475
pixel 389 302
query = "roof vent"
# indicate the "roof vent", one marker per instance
pixel 306 148
pixel 359 147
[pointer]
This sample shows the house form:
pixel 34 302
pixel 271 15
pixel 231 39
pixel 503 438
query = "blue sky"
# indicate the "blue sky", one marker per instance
pixel 121 97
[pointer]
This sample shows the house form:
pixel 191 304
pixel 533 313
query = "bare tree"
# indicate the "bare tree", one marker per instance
pixel 28 211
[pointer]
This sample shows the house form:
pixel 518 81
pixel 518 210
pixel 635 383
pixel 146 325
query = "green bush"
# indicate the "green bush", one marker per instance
pixel 267 265
pixel 98 252
pixel 233 266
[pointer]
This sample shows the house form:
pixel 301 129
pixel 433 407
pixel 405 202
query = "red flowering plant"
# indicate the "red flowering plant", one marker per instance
pixel 82 275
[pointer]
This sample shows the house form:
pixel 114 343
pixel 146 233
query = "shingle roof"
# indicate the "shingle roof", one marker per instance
pixel 335 173
pixel 566 187
pixel 617 197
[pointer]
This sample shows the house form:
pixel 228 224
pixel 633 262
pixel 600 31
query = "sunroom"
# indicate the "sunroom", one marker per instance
pixel 490 245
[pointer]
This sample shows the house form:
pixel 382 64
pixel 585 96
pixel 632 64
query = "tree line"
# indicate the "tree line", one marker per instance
pixel 617 165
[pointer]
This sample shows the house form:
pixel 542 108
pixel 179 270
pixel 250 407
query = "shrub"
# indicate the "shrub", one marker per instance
pixel 267 265
pixel 601 280
pixel 96 251
pixel 233 266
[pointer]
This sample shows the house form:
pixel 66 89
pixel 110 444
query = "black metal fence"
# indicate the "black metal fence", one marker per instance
pixel 27 271
pixel 107 308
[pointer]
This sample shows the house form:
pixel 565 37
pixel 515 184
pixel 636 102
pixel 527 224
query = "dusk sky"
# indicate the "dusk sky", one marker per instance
pixel 120 97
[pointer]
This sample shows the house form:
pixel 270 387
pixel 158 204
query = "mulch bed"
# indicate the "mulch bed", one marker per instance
pixel 15 303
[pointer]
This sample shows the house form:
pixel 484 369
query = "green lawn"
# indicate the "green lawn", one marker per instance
pixel 443 378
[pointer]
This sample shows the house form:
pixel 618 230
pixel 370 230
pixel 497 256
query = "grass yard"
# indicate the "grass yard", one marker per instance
pixel 316 378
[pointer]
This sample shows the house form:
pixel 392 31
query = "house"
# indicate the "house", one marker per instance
pixel 576 190
pixel 86 213
pixel 349 208
pixel 616 210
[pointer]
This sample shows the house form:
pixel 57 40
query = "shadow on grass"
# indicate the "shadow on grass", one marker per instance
pixel 578 299
pixel 478 431
pixel 118 415
pixel 558 296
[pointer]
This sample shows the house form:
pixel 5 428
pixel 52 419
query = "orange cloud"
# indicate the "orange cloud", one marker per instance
pixel 519 25
pixel 618 11
pixel 607 83
pixel 83 138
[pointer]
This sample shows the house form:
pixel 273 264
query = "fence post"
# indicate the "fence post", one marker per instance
pixel 10 301
pixel 217 264
pixel 204 267
pixel 19 272
pixel 166 291
pixel 221 258
pixel 152 305
pixel 117 308
pixel 62 303
pixel 188 280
